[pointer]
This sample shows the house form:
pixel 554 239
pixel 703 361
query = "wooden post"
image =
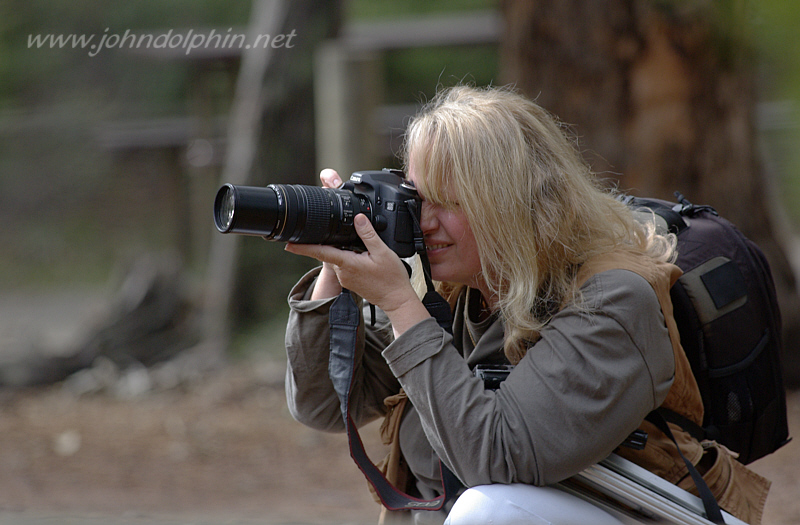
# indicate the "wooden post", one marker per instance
pixel 243 132
pixel 347 91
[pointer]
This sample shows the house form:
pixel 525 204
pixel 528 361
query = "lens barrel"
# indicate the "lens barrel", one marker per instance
pixel 246 209
pixel 290 213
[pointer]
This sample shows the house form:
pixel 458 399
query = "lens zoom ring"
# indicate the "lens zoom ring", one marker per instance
pixel 318 216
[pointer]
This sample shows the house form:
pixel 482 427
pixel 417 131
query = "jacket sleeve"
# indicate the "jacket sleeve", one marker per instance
pixel 309 391
pixel 580 390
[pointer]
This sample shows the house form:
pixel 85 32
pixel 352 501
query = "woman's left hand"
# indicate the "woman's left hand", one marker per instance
pixel 378 275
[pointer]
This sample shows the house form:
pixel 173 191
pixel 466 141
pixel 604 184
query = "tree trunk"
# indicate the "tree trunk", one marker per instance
pixel 285 155
pixel 662 97
pixel 270 134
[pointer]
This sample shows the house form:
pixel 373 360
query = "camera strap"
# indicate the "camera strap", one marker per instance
pixel 344 323
pixel 433 301
pixel 344 319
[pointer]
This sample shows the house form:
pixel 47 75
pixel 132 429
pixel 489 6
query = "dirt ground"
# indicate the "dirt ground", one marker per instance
pixel 223 449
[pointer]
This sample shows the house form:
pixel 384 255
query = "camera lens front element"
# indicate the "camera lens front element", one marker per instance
pixel 227 209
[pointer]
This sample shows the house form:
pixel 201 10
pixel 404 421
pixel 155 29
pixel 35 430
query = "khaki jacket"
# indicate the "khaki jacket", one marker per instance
pixel 615 353
pixel 737 489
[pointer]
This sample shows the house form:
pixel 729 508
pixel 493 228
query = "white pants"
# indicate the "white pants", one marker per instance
pixel 520 504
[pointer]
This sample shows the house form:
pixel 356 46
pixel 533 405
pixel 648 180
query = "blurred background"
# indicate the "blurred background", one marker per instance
pixel 141 353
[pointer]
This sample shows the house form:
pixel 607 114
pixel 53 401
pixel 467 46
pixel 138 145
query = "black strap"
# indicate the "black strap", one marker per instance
pixel 713 512
pixel 688 209
pixel 694 430
pixel 672 216
pixel 344 319
pixel 344 322
pixel 435 303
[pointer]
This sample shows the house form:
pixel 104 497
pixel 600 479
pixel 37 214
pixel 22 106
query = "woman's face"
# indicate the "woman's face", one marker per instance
pixel 450 243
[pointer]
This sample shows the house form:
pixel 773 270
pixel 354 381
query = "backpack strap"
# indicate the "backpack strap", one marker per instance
pixel 713 512
pixel 687 209
pixel 696 431
pixel 671 215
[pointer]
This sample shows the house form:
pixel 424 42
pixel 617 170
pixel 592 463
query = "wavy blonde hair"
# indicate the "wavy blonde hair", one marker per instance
pixel 536 209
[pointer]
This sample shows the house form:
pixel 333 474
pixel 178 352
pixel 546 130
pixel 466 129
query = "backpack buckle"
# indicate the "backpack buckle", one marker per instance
pixel 635 440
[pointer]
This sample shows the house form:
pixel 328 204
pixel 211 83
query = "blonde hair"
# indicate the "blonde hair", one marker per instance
pixel 535 208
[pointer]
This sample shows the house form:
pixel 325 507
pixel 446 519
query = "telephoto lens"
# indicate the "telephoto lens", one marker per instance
pixel 290 213
pixel 314 215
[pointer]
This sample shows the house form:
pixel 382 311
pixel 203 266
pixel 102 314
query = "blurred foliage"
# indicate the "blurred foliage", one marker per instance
pixel 414 75
pixel 387 9
pixel 77 209
pixel 34 77
pixel 775 26
pixel 72 210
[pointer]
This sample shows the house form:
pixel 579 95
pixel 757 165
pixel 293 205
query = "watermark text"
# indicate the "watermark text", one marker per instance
pixel 186 41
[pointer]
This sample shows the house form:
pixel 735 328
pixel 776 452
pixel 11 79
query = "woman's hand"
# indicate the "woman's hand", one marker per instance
pixel 378 275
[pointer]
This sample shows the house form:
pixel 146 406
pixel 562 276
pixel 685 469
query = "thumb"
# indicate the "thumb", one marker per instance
pixel 367 233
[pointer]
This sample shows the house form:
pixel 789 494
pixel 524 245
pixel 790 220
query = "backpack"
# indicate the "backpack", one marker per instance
pixel 730 328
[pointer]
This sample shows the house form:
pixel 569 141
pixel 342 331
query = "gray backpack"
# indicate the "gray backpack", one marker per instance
pixel 730 327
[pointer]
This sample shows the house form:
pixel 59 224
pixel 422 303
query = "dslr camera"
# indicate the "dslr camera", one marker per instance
pixel 314 215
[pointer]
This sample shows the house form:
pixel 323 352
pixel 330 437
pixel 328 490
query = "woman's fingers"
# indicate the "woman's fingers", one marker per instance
pixel 330 178
pixel 320 252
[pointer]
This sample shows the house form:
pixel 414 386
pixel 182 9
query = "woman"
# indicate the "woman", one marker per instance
pixel 545 271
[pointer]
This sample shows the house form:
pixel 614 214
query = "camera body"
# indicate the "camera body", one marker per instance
pixel 313 215
pixel 388 193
